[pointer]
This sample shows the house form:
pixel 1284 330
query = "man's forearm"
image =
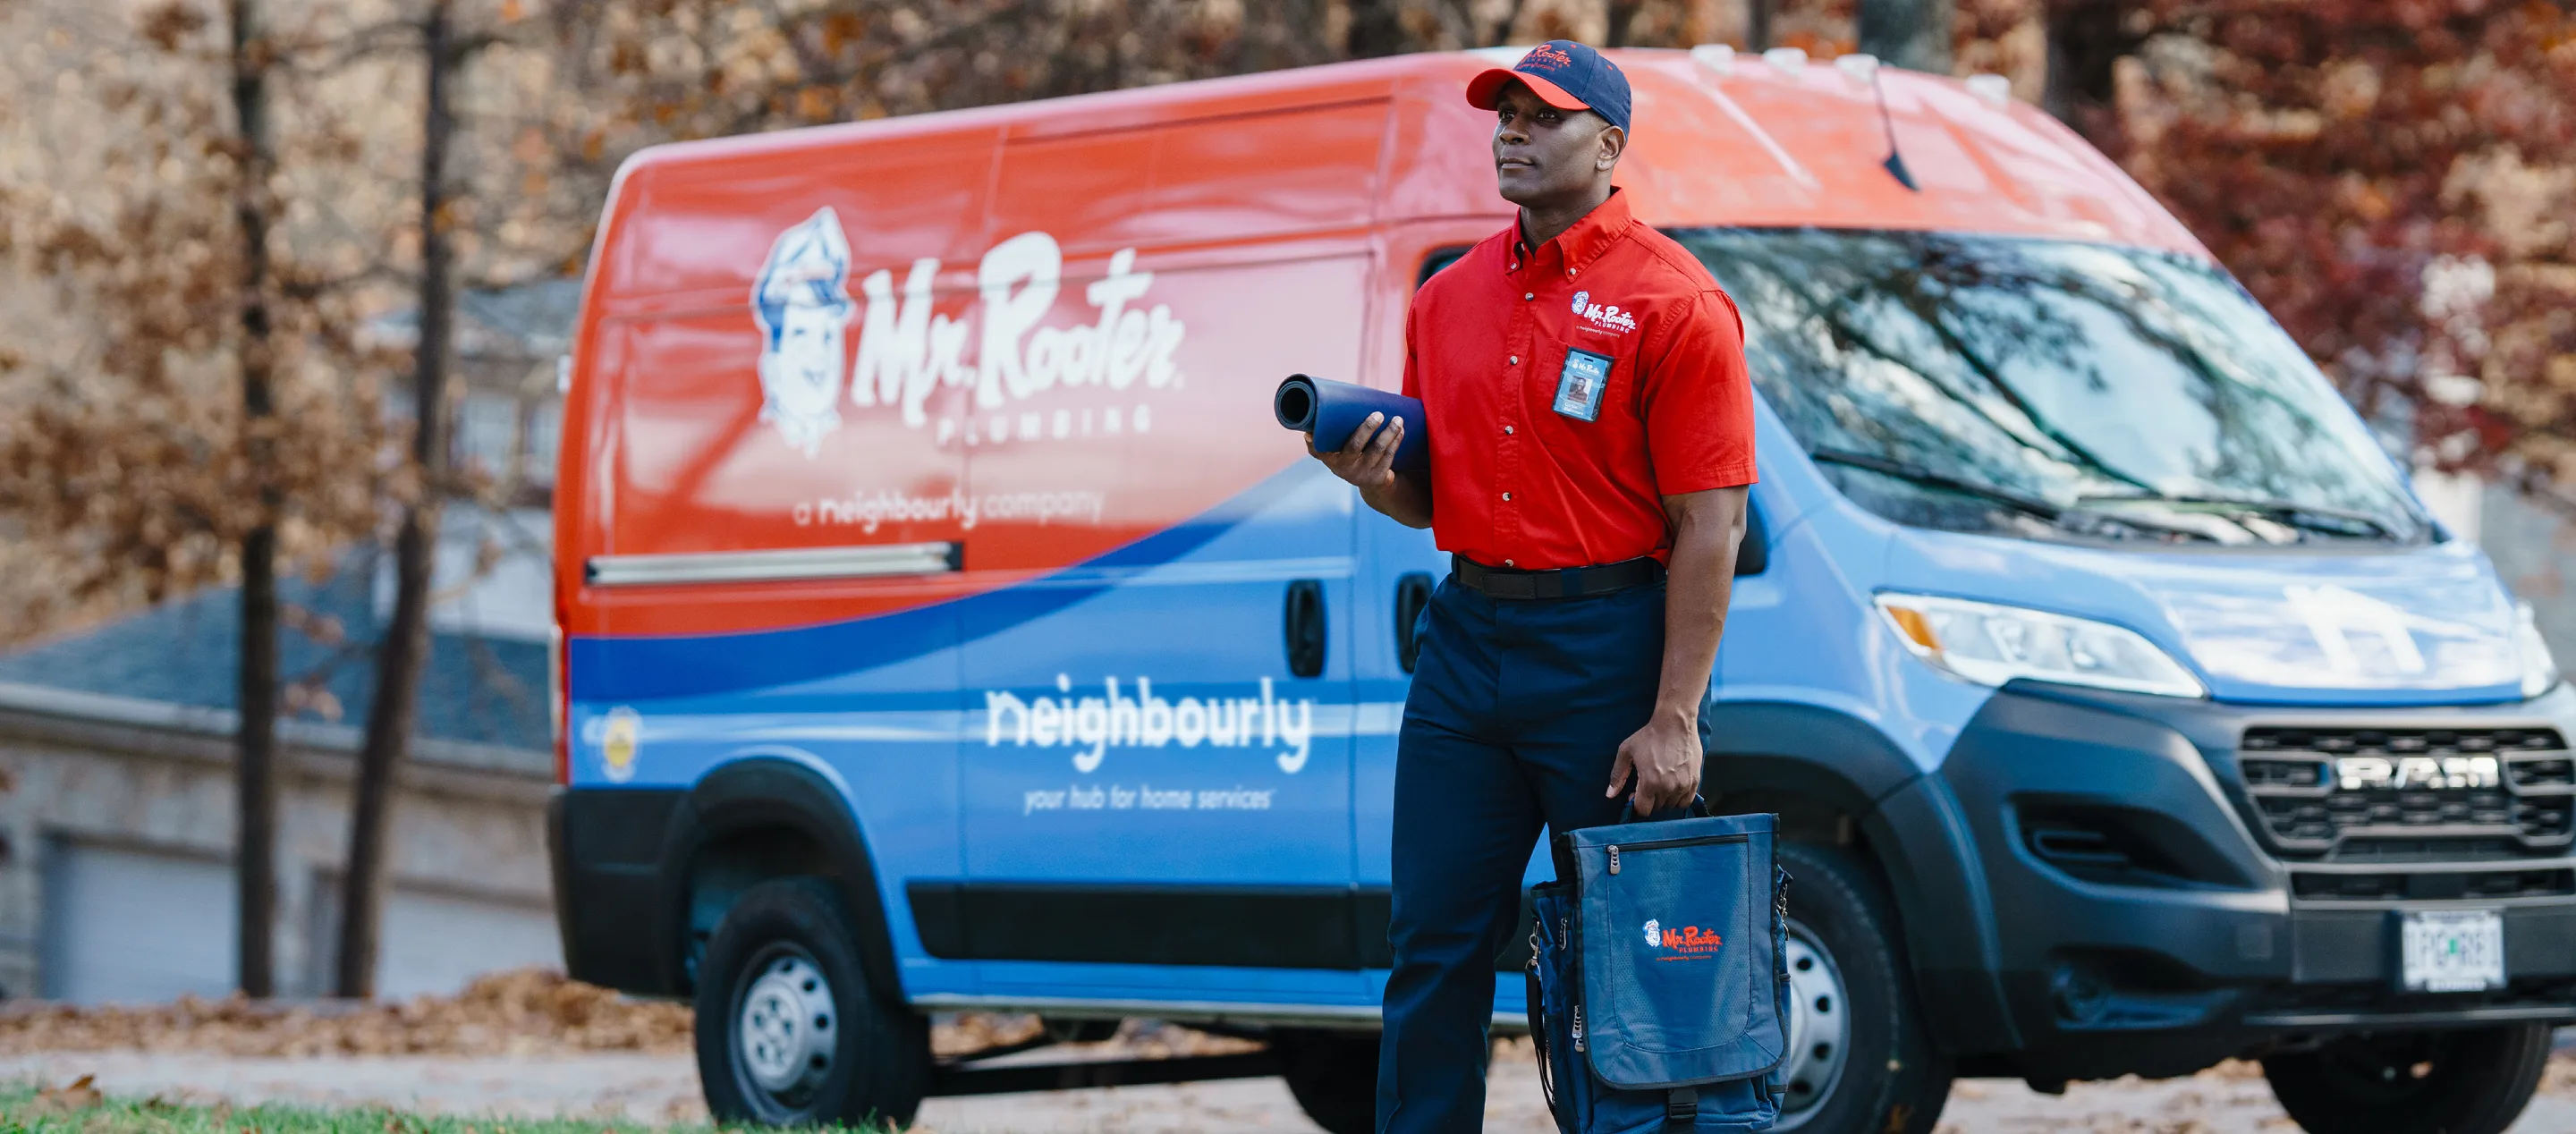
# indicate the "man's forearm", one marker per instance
pixel 1407 500
pixel 1706 534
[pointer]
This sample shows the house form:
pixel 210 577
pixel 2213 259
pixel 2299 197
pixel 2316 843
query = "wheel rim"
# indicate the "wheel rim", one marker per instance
pixel 785 1025
pixel 1818 1023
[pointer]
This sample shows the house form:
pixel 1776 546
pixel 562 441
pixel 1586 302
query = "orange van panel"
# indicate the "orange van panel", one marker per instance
pixel 1044 331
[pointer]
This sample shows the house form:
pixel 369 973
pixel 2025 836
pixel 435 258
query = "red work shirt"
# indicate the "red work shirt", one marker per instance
pixel 1511 353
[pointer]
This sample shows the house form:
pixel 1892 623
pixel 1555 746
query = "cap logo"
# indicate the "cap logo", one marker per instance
pixel 1546 57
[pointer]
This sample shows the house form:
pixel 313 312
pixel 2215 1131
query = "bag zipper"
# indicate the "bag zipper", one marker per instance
pixel 1659 844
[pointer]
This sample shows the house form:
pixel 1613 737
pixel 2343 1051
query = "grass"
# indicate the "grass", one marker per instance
pixel 80 1109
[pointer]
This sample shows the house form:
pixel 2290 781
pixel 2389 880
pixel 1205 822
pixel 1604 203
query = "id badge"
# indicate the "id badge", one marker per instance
pixel 1579 386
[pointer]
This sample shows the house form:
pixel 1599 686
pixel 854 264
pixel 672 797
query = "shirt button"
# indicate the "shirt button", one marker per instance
pixel 1528 295
pixel 1507 431
pixel 1507 496
pixel 1507 563
pixel 1572 272
pixel 1516 360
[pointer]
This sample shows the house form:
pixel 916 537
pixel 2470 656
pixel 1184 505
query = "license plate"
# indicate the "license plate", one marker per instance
pixel 2451 950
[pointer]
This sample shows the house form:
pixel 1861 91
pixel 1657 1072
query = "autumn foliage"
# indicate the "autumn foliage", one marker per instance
pixel 2395 180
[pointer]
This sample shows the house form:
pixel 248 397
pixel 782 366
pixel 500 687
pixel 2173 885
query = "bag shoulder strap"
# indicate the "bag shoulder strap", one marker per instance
pixel 1538 1034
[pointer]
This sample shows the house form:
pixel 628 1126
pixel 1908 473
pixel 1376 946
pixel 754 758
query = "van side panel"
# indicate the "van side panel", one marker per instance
pixel 1157 800
pixel 739 421
pixel 1088 711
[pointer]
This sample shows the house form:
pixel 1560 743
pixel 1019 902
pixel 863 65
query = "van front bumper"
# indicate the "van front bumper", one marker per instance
pixel 2152 914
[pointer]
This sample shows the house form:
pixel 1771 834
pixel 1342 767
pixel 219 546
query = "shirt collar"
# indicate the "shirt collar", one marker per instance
pixel 1587 239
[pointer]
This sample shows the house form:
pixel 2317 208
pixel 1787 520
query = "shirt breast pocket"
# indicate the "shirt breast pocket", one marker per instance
pixel 1588 376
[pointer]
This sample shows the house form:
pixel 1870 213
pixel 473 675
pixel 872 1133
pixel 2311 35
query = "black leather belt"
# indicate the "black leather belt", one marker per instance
pixel 1566 582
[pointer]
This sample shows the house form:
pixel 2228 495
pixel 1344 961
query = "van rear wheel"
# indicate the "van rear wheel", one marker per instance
pixel 1862 1061
pixel 2466 1082
pixel 788 1031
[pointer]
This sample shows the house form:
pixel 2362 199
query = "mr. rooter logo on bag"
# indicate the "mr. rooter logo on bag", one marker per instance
pixel 1688 943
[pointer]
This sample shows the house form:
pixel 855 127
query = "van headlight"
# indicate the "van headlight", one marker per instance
pixel 2539 669
pixel 1990 645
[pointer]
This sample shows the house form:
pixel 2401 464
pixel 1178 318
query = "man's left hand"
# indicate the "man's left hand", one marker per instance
pixel 1664 757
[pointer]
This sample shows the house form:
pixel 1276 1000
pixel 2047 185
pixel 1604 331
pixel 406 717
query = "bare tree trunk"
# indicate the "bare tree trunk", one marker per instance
pixel 1908 33
pixel 405 645
pixel 255 744
pixel 2085 43
pixel 1374 29
pixel 1617 15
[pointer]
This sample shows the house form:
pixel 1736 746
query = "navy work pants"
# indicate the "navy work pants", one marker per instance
pixel 1517 710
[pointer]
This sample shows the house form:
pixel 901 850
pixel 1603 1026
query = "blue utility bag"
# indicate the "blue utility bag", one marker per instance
pixel 1658 997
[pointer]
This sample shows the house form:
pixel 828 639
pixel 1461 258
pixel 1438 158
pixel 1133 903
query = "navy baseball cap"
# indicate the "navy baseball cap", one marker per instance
pixel 1564 74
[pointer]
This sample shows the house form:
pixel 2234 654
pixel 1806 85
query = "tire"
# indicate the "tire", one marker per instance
pixel 2466 1082
pixel 1865 1065
pixel 788 1031
pixel 1333 1074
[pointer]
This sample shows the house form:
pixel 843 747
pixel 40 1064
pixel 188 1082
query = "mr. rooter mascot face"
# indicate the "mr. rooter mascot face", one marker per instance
pixel 802 301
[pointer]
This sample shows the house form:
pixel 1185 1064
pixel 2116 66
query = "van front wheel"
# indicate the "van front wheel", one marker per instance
pixel 788 1033
pixel 1861 1060
pixel 2464 1082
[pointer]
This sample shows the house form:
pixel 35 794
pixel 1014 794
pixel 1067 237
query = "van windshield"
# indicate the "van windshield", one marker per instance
pixel 2051 389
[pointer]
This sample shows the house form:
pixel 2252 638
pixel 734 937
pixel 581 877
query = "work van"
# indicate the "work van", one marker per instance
pixel 947 627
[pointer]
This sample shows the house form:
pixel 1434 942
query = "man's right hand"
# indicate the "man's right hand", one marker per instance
pixel 1367 460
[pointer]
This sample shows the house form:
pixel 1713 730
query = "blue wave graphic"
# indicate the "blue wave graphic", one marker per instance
pixel 653 668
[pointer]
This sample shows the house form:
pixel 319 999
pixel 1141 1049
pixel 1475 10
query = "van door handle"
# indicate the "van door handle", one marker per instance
pixel 1412 597
pixel 1304 618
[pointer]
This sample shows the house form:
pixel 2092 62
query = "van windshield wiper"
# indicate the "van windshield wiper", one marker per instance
pixel 2307 517
pixel 1909 471
pixel 2064 517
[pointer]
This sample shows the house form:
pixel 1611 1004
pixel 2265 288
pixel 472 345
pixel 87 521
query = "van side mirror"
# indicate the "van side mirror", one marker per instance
pixel 1753 555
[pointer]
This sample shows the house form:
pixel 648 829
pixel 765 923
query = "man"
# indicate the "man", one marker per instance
pixel 1592 437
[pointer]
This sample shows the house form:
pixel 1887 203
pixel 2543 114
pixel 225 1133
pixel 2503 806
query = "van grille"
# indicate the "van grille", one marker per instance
pixel 2317 886
pixel 2359 793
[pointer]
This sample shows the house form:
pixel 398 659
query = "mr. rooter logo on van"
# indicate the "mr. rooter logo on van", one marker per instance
pixel 801 299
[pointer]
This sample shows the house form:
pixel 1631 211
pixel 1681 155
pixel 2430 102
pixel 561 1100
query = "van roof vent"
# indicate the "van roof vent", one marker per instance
pixel 1995 89
pixel 1790 60
pixel 1718 57
pixel 1860 67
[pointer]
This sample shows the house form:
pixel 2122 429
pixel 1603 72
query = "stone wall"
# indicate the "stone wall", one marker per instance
pixel 89 771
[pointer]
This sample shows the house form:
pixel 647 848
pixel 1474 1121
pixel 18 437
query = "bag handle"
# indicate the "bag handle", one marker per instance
pixel 1628 811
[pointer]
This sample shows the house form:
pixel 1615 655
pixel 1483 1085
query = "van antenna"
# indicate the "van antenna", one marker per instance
pixel 1895 163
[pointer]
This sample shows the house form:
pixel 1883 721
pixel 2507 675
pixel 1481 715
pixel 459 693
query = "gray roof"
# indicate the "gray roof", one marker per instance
pixel 485 692
pixel 532 321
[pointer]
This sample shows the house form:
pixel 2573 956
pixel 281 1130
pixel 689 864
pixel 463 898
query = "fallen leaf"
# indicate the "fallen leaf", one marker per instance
pixel 79 1094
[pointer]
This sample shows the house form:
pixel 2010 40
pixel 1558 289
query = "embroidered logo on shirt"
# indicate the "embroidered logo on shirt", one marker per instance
pixel 1607 317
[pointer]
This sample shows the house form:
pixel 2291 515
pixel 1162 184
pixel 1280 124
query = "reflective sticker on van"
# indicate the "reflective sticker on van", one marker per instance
pixel 621 739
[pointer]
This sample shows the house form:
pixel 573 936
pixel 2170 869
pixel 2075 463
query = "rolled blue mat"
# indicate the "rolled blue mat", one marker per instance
pixel 1332 411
